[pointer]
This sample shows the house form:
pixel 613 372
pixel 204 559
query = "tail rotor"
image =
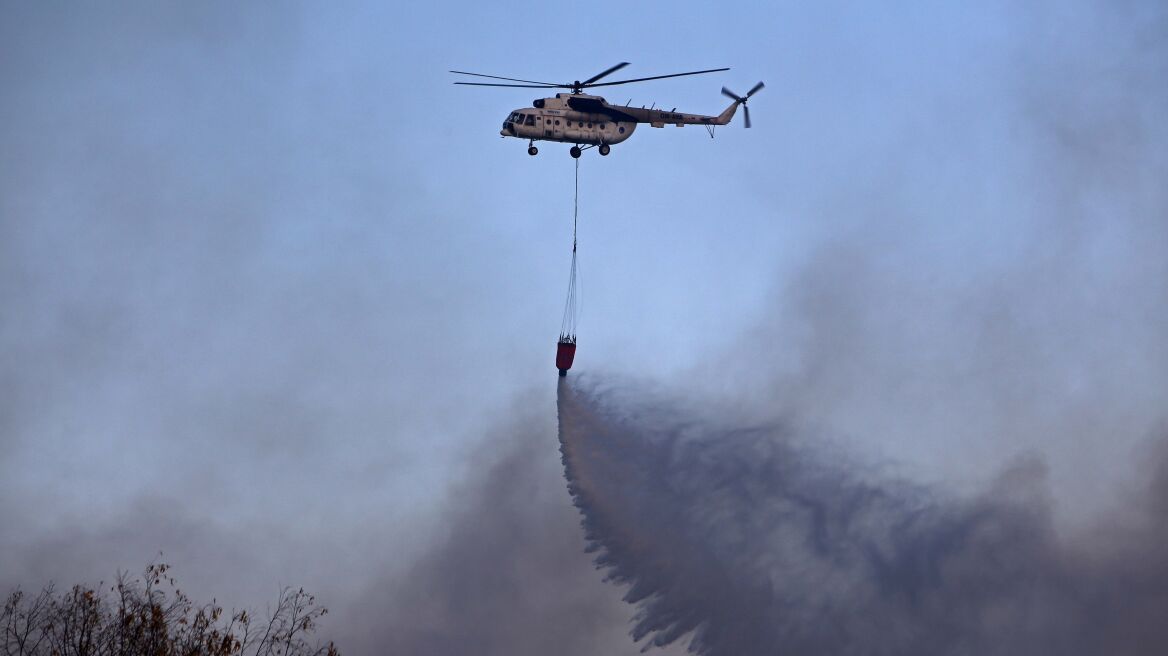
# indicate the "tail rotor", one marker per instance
pixel 741 100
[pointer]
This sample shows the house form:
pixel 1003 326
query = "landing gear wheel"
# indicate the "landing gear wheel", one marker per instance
pixel 532 150
pixel 575 152
pixel 604 149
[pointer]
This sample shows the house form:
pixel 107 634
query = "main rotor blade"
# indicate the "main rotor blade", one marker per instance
pixel 496 77
pixel 756 88
pixel 611 70
pixel 655 77
pixel 746 115
pixel 525 86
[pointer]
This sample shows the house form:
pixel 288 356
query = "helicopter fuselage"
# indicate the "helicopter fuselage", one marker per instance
pixel 583 119
pixel 554 119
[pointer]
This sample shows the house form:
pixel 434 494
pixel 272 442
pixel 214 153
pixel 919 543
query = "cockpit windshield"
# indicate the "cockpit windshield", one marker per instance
pixel 521 118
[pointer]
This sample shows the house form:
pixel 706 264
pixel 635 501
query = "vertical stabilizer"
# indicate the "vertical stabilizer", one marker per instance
pixel 727 113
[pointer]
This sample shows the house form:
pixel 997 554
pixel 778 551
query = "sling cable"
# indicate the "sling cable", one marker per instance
pixel 566 345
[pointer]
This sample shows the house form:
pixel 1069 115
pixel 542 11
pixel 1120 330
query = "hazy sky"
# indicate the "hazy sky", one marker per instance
pixel 274 294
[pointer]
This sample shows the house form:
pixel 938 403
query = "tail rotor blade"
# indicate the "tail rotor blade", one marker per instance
pixel 730 94
pixel 756 88
pixel 746 115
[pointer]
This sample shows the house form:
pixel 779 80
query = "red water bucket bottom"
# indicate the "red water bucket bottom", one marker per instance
pixel 565 353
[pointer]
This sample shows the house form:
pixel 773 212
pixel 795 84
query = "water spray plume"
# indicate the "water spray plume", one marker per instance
pixel 754 540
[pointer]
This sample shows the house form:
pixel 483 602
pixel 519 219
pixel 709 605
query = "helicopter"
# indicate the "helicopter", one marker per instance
pixel 588 121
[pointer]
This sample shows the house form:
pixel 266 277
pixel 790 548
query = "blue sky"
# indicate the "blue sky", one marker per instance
pixel 260 258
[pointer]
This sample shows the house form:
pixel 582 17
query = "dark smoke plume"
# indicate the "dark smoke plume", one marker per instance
pixel 506 575
pixel 754 540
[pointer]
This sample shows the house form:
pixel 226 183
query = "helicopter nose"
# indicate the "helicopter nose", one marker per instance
pixel 508 128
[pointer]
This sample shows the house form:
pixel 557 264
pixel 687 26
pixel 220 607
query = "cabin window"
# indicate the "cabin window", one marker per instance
pixel 519 117
pixel 581 123
pixel 530 120
pixel 589 125
pixel 603 126
pixel 622 129
pixel 549 121
pixel 557 121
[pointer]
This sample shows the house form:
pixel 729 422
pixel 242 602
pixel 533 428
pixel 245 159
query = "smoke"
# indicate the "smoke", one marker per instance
pixel 505 574
pixel 760 540
pixel 253 303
